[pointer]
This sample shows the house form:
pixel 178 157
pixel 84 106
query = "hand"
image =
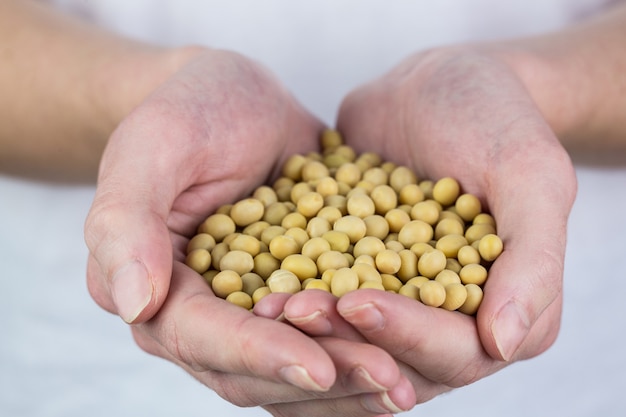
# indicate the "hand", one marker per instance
pixel 207 136
pixel 464 114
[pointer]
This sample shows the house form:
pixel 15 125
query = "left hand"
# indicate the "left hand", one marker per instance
pixel 463 113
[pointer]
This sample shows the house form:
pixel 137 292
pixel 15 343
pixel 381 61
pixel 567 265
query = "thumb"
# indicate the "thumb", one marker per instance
pixel 126 231
pixel 130 260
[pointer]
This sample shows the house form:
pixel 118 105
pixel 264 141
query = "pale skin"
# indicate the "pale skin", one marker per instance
pixel 174 121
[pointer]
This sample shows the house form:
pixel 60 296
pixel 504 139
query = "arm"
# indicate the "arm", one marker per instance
pixel 65 87
pixel 576 78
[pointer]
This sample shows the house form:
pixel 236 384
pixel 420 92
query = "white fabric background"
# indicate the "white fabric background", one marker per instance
pixel 60 355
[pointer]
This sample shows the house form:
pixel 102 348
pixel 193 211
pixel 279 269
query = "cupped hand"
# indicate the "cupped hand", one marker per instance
pixel 464 113
pixel 209 135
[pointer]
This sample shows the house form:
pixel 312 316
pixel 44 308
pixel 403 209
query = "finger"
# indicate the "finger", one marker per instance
pixel 383 404
pixel 440 345
pixel 526 280
pixel 315 312
pixel 208 333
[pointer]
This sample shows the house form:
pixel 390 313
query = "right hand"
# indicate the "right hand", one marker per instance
pixel 207 136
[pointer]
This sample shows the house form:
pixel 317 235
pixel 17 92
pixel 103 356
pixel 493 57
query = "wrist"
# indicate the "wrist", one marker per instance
pixel 128 75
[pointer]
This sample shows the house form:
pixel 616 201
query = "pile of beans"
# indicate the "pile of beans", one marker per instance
pixel 337 221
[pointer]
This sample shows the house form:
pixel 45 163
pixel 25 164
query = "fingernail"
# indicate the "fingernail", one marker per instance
pixel 298 376
pixel 509 329
pixel 316 321
pixel 365 317
pixel 380 403
pixel 363 380
pixel 131 290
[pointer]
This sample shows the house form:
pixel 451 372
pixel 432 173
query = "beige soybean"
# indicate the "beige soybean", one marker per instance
pixel 314 170
pixel 360 205
pixel 400 177
pixel 209 275
pixel 376 175
pixel 295 219
pixel 391 282
pixel 251 281
pixel 410 194
pixel 343 281
pixel 317 284
pixel 408 265
pixel 337 201
pixel 217 253
pixel 293 167
pixel 247 211
pixel 299 235
pixel 240 299
pixel 275 213
pixel 283 281
pixel 218 226
pixel 477 231
pixel 331 260
pixel 373 285
pixel 282 246
pixel 298 190
pixel 376 226
pixel 352 226
pixel 245 243
pixel 427 188
pixel 394 245
pixel 329 213
pixel 365 259
pixel 310 203
pixel 427 211
pixel 238 261
pixel 432 293
pixel 201 241
pixel 454 265
pixel 384 198
pixel 226 282
pixel 468 255
pixel 265 194
pixel 256 229
pixel 473 274
pixel 490 247
pixel 366 272
pixel 456 295
pixel 339 241
pixel 468 206
pixel 317 226
pixel 397 218
pixel 349 174
pixel 388 261
pixel 431 263
pixel 447 276
pixel 446 190
pixel 410 291
pixel 199 260
pixel 300 265
pixel 313 248
pixel 448 226
pixel 368 245
pixel 260 293
pixel 415 231
pixel 327 186
pixel 418 281
pixel 484 218
pixel 473 300
pixel 330 139
pixel 450 244
pixel 421 248
pixel 271 232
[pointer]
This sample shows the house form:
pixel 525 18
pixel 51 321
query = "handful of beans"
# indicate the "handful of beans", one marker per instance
pixel 337 221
